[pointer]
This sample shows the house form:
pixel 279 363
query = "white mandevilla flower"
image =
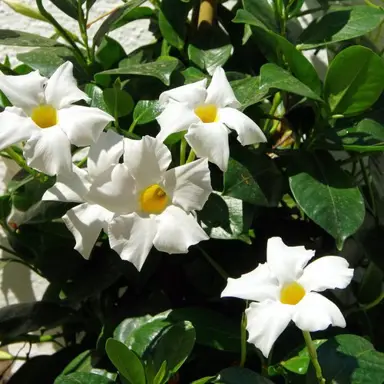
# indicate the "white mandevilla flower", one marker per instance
pixel 43 114
pixel 139 203
pixel 207 114
pixel 286 289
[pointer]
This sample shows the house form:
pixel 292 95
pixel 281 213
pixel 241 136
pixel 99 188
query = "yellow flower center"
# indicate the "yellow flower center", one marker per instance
pixel 207 113
pixel 153 199
pixel 44 116
pixel 292 293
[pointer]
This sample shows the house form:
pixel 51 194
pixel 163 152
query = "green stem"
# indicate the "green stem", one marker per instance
pixel 213 263
pixel 313 355
pixel 183 150
pixel 309 11
pixel 132 126
pixel 83 31
pixel 243 335
pixel 373 303
pixel 191 156
pixel 275 104
pixel 19 160
pixel 369 186
pixel 82 162
pixel 8 250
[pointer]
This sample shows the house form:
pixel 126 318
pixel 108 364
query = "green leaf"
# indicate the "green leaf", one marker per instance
pixel 5 207
pixel 161 375
pixel 81 363
pixel 236 375
pixel 109 52
pixel 272 76
pixel 271 43
pixel 119 103
pixel 115 18
pixel 24 39
pixel 341 25
pixel 83 378
pixel 253 178
pixel 265 11
pixel 96 95
pixel 349 359
pixel 126 361
pixel 146 111
pixel 69 7
pixel 371 286
pixel 354 81
pixel 131 15
pixel 249 91
pixel 162 69
pixel 25 10
pixel 191 75
pixel 326 195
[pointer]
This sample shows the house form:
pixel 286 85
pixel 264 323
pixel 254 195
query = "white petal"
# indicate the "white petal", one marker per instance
pixel 286 263
pixel 147 159
pixel 85 221
pixel 83 125
pixel 49 151
pixel 191 94
pixel 176 117
pixel 114 190
pixel 210 141
pixel 266 321
pixel 15 127
pixel 176 231
pixel 61 90
pixel 327 272
pixel 316 313
pixel 105 152
pixel 69 187
pixel 131 236
pixel 257 285
pixel 189 184
pixel 248 132
pixel 220 91
pixel 24 91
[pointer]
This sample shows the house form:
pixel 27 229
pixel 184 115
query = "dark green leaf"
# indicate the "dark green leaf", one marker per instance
pixel 69 7
pixel 81 363
pixel 236 375
pixel 249 91
pixel 146 111
pixel 162 69
pixel 126 361
pixel 24 39
pixel 119 103
pixel 109 52
pixel 191 75
pixel 371 286
pixel 161 375
pixel 263 10
pixel 83 378
pixel 96 95
pixel 272 76
pixel 341 25
pixel 5 207
pixel 326 195
pixel 131 15
pixel 351 89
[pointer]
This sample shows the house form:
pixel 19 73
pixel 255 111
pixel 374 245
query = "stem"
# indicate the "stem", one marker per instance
pixel 369 186
pixel 183 150
pixel 309 11
pixel 373 303
pixel 216 266
pixel 313 355
pixel 10 251
pixel 243 335
pixel 191 156
pixel 206 12
pixel 133 125
pixel 83 31
pixel 101 17
pixel 19 160
pixel 82 162
pixel 275 104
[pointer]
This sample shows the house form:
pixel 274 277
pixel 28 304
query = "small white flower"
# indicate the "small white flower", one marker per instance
pixel 43 114
pixel 207 114
pixel 285 289
pixel 139 203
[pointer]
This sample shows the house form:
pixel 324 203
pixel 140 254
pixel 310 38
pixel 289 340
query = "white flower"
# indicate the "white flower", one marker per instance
pixel 139 203
pixel 207 114
pixel 285 289
pixel 43 114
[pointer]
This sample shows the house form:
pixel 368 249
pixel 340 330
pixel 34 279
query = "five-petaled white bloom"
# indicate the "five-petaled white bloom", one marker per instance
pixel 138 202
pixel 207 114
pixel 285 289
pixel 43 114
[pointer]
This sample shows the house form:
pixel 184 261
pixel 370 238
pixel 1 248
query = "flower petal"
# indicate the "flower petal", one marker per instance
pixel 327 272
pixel 24 91
pixel 14 127
pixel 286 263
pixel 220 92
pixel 114 190
pixel 315 313
pixel 131 236
pixel 190 94
pixel 61 90
pixel 105 152
pixel 248 132
pixel 210 141
pixel 176 117
pixel 71 187
pixel 83 125
pixel 257 285
pixel 49 151
pixel 266 321
pixel 189 184
pixel 176 231
pixel 85 221
pixel 147 154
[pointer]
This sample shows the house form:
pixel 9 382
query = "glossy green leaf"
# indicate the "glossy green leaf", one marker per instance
pixel 237 375
pixel 96 95
pixel 349 359
pixel 341 25
pixel 146 111
pixel 81 363
pixel 249 91
pixel 126 362
pixel 161 375
pixel 83 378
pixel 131 15
pixel 69 7
pixel 327 195
pixel 265 11
pixel 272 76
pixel 192 75
pixel 25 39
pixel 119 102
pixel 354 81
pixel 109 52
pixel 162 69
